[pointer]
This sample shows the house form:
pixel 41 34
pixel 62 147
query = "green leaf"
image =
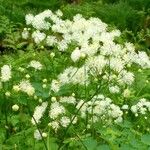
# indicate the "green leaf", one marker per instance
pixel 51 143
pixel 103 147
pixel 126 147
pixel 146 139
pixel 90 143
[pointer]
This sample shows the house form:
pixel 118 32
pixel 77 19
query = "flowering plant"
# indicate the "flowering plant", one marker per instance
pixel 86 83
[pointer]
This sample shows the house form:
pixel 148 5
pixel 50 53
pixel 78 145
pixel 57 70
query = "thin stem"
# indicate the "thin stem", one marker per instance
pixel 37 126
pixel 80 140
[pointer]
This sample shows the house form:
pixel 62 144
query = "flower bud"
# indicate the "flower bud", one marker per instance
pixel 126 93
pixel 73 94
pixel 27 76
pixel 44 134
pixel 44 86
pixel 7 94
pixel 16 88
pixel 35 97
pixel 44 80
pixel 40 100
pixel 52 55
pixel 53 99
pixel 15 107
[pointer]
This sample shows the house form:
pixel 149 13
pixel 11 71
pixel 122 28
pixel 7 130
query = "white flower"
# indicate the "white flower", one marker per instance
pixel 5 73
pixel 143 60
pixel 25 86
pixel 134 109
pixel 29 19
pixel 38 113
pixel 125 107
pixel 118 120
pixel 141 107
pixel 69 100
pixel 64 121
pixel 62 46
pixel 116 64
pixel 55 110
pixel 35 64
pixel 25 34
pixel 114 89
pixel 38 36
pixel 59 13
pixel 55 86
pixel 76 54
pixel 96 64
pixel 126 77
pixel 54 125
pixel 37 135
pixel 126 93
pixel 51 40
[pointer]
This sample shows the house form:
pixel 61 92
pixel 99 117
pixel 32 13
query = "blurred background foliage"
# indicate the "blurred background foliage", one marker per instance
pixel 130 16
pixel 125 14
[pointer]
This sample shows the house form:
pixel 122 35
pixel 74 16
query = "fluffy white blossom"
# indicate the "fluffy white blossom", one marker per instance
pixel 25 34
pixel 143 60
pixel 101 108
pixel 37 135
pixel 125 107
pixel 142 107
pixel 51 40
pixel 126 77
pixel 54 125
pixel 126 93
pixel 76 54
pixel 55 85
pixel 64 121
pixel 38 36
pixel 26 86
pixel 69 100
pixel 5 73
pixel 114 89
pixel 38 113
pixel 56 109
pixel 59 13
pixel 29 19
pixel 104 60
pixel 35 64
pixel 74 75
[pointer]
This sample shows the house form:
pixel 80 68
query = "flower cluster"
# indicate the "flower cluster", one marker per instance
pixel 96 55
pixel 25 86
pixel 101 108
pixel 58 112
pixel 142 107
pixel 5 73
pixel 95 43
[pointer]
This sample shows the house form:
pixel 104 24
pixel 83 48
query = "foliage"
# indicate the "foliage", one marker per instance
pixel 31 79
